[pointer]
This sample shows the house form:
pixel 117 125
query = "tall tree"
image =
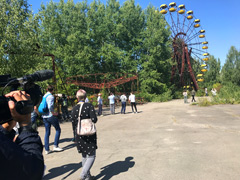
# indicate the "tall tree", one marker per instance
pixel 155 57
pixel 231 68
pixel 212 76
pixel 19 49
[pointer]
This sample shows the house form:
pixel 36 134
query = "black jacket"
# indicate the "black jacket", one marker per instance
pixel 22 160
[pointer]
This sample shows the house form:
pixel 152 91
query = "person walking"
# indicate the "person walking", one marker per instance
pixel 132 100
pixel 49 119
pixel 100 103
pixel 185 96
pixel 193 95
pixel 123 99
pixel 86 145
pixel 112 103
pixel 206 91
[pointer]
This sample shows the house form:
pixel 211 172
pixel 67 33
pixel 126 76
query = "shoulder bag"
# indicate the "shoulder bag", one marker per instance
pixel 85 127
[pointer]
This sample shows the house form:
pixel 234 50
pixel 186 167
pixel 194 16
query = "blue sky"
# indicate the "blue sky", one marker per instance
pixel 219 18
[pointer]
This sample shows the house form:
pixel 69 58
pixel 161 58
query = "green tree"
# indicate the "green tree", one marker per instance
pixel 231 68
pixel 155 57
pixel 212 76
pixel 19 49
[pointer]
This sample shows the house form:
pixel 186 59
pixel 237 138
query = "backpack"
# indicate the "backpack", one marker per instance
pixel 43 107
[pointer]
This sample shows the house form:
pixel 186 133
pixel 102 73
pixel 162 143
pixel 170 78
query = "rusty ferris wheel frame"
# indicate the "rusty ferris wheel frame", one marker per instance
pixel 188 44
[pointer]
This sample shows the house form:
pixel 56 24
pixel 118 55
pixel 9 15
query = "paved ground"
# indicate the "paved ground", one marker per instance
pixel 165 141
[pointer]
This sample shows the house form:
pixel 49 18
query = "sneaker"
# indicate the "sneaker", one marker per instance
pixel 57 149
pixel 48 152
pixel 101 115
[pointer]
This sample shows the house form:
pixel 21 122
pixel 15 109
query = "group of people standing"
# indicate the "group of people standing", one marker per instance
pixel 193 93
pixel 123 98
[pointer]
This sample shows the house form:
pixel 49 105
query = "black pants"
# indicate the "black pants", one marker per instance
pixel 193 99
pixel 133 104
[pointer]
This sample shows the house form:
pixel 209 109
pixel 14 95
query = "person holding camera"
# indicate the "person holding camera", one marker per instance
pixel 21 159
pixel 51 119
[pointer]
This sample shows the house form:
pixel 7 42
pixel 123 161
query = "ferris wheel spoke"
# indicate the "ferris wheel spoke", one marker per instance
pixel 192 44
pixel 183 23
pixel 173 23
pixel 199 50
pixel 192 37
pixel 191 25
pixel 197 54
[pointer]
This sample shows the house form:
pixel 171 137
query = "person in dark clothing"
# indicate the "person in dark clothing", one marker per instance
pixel 64 107
pixel 86 145
pixel 193 95
pixel 23 158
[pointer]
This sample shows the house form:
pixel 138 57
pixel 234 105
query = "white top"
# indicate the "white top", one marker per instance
pixel 99 99
pixel 132 98
pixel 123 98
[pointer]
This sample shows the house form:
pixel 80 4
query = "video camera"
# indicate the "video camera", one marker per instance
pixel 27 84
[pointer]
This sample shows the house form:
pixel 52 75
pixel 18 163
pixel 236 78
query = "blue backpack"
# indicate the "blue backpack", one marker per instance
pixel 43 107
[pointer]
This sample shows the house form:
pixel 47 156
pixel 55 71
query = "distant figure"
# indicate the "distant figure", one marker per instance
pixel 193 95
pixel 206 92
pixel 185 96
pixel 64 107
pixel 214 92
pixel 100 103
pixel 132 99
pixel 112 103
pixel 123 99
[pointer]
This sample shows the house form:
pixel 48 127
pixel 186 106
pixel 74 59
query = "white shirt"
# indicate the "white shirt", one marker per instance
pixel 132 98
pixel 99 99
pixel 123 98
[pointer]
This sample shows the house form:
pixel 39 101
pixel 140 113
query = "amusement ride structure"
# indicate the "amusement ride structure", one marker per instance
pixel 102 80
pixel 189 44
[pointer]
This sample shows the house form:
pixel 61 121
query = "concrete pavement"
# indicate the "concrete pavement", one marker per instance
pixel 164 141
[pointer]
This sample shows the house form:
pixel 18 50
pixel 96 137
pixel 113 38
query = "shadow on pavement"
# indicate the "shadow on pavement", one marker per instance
pixel 62 141
pixel 58 171
pixel 115 168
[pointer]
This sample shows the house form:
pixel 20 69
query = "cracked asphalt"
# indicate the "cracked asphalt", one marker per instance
pixel 164 141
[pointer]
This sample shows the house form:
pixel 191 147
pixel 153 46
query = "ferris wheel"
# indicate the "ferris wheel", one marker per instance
pixel 189 45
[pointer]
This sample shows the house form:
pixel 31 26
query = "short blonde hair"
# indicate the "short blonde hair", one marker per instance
pixel 81 94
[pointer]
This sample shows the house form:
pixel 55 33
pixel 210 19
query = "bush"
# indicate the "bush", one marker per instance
pixel 204 102
pixel 166 96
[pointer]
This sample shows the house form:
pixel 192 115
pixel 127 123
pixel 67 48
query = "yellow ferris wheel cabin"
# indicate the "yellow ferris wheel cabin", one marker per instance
pixel 172 7
pixel 163 9
pixel 181 9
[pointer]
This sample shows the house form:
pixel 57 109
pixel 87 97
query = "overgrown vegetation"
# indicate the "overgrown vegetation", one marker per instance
pixel 100 38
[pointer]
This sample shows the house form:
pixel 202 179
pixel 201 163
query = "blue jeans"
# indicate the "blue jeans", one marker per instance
pixel 100 109
pixel 112 108
pixel 47 123
pixel 123 107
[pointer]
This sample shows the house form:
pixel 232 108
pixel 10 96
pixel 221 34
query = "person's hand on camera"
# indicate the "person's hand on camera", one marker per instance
pixel 9 125
pixel 23 120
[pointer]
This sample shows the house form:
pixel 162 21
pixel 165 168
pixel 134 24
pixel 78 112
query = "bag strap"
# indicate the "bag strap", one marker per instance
pixel 47 96
pixel 80 109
